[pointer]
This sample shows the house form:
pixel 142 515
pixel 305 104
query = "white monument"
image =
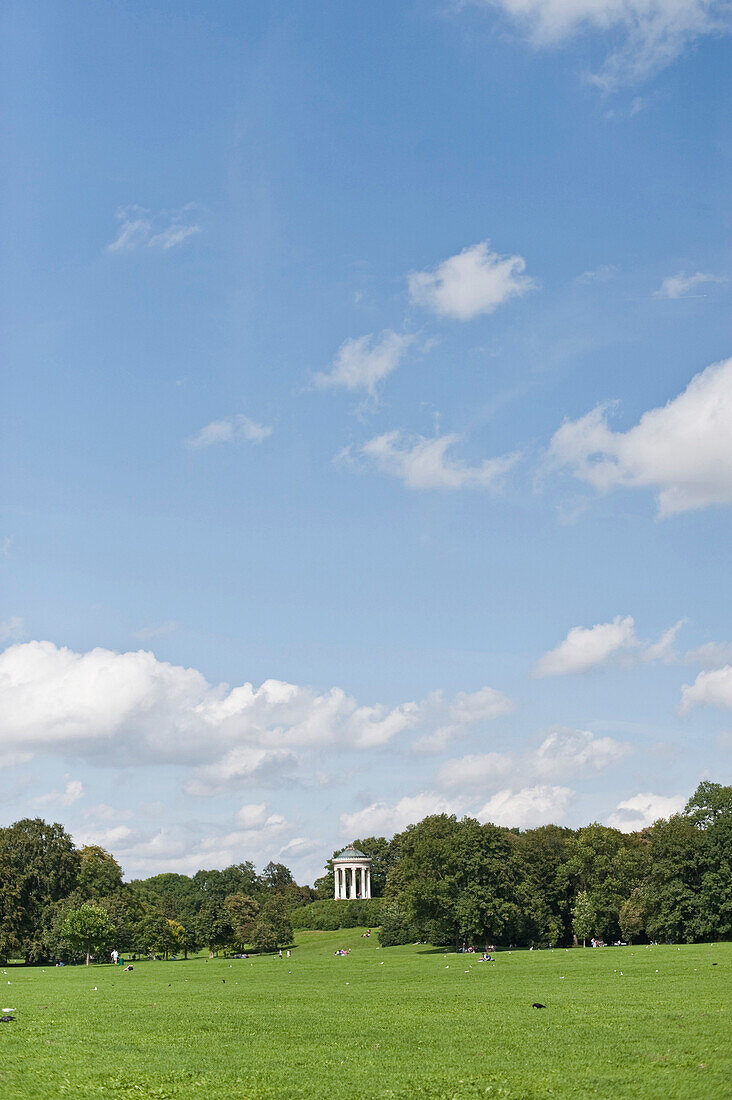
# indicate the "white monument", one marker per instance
pixel 352 874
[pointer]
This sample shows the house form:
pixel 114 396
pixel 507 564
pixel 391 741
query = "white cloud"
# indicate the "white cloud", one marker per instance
pixel 681 450
pixel 647 34
pixel 363 362
pixel 602 274
pixel 665 648
pixel 710 655
pixel 473 282
pixel 450 720
pixel 71 793
pixel 678 286
pixel 562 753
pixel 12 629
pixel 243 766
pixel 526 808
pixel 173 235
pixel 422 463
pixel 139 228
pixel 588 647
pixel 182 849
pixel 565 752
pixel 476 771
pixel 713 688
pixel 92 704
pixel 251 815
pixel 643 809
pixel 232 429
pixel 381 818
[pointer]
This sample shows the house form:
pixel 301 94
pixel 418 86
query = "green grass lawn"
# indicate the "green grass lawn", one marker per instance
pixel 399 1022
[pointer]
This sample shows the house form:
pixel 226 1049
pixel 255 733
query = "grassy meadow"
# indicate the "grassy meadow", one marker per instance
pixel 400 1022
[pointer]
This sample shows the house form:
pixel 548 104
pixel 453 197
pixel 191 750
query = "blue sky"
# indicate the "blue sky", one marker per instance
pixel 375 356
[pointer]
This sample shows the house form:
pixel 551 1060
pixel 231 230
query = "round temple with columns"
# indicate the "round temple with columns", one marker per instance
pixel 352 874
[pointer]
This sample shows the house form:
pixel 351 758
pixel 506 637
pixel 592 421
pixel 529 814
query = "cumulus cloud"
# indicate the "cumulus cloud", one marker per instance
pixel 232 429
pixel 90 704
pixel 381 818
pixel 473 282
pixel 647 34
pixel 643 809
pixel 476 771
pixel 363 362
pixel 448 720
pixel 588 647
pixel 71 793
pixel 254 815
pixel 563 752
pixel 139 228
pixel 182 848
pixel 678 286
pixel 526 808
pixel 681 450
pixel 425 463
pixel 712 688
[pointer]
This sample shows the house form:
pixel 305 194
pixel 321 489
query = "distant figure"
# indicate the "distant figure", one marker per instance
pixel 288 952
pixel 115 956
pixel 537 1004
pixel 280 952
pixel 130 967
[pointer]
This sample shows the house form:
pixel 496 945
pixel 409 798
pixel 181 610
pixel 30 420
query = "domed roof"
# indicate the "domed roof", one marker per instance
pixel 351 854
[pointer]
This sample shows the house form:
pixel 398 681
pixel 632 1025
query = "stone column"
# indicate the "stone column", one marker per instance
pixel 367 893
pixel 335 883
pixel 343 890
pixel 353 882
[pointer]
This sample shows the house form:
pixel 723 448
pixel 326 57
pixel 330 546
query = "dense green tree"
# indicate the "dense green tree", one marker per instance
pixel 274 911
pixel 11 909
pixel 545 894
pixel 596 866
pixel 457 881
pixel 99 872
pixel 88 929
pixel 43 866
pixel 276 876
pixel 264 934
pixel 242 913
pixel 240 878
pixel 584 917
pixel 672 890
pixel 213 925
pixel 709 802
pixel 395 927
pixel 631 917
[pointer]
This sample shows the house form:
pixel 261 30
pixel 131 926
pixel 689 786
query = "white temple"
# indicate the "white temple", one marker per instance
pixel 352 874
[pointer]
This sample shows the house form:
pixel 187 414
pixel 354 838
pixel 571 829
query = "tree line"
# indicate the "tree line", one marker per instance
pixel 453 882
pixel 445 880
pixel 60 903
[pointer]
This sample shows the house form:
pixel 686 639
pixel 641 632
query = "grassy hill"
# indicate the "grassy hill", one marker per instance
pixel 407 1022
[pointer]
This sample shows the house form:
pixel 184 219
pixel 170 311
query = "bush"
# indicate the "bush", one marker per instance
pixel 396 927
pixel 329 916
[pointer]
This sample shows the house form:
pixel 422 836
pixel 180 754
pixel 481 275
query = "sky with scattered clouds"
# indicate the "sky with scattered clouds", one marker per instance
pixel 367 419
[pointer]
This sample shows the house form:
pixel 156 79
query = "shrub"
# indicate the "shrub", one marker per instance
pixel 329 916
